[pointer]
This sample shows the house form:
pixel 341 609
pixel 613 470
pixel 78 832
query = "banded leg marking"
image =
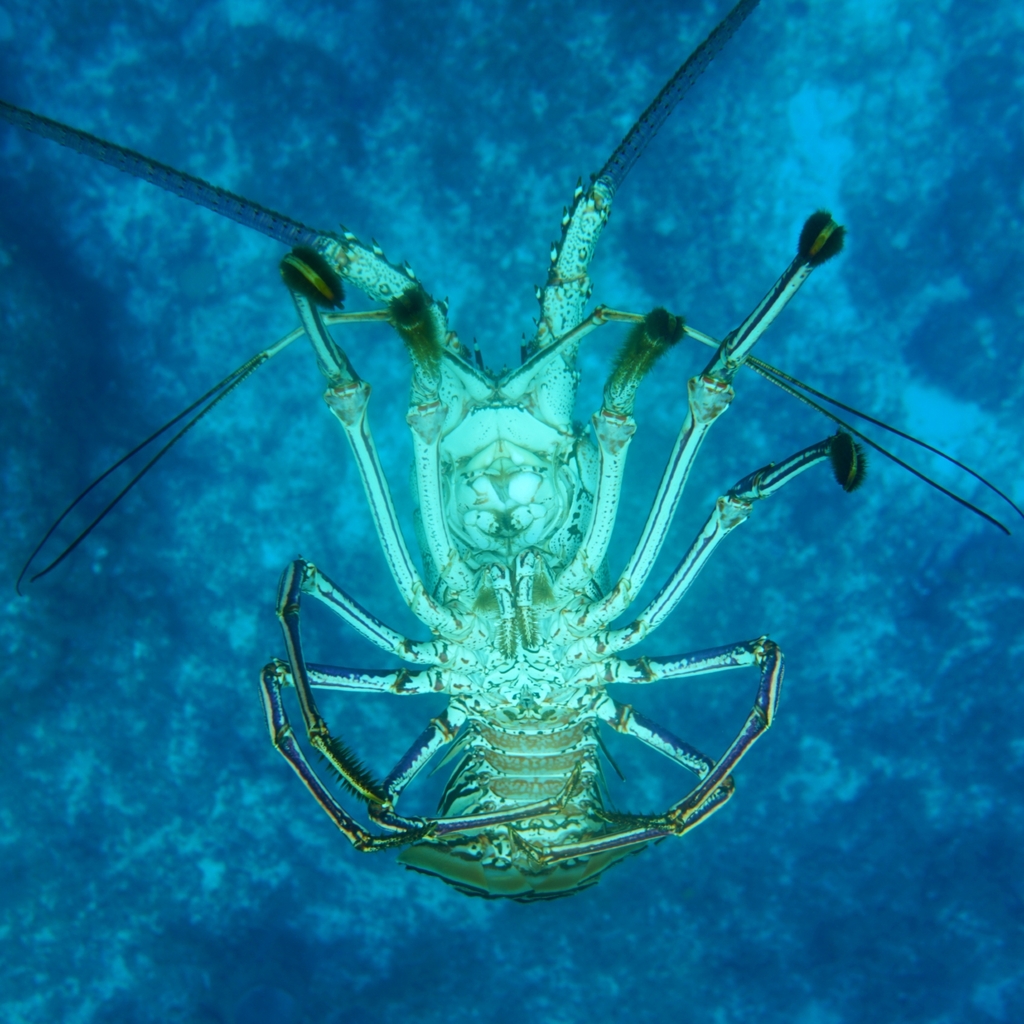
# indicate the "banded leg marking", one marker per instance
pixel 347 397
pixel 347 767
pixel 710 394
pixel 283 738
pixel 820 240
pixel 716 786
pixel 648 830
pixel 708 399
pixel 318 585
pixel 373 680
pixel 730 511
pixel 437 735
pixel 407 830
pixel 381 799
pixel 426 422
pixel 761 716
pixel 614 432
pixel 348 403
pixel 683 666
pixel 625 719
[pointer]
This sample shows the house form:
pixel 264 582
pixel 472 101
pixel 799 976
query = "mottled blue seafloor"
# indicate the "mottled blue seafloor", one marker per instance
pixel 159 862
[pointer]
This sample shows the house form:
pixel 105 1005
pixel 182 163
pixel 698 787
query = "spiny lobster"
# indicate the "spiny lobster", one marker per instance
pixel 516 506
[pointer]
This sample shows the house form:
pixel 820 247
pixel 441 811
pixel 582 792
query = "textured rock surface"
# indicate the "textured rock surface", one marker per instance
pixel 159 862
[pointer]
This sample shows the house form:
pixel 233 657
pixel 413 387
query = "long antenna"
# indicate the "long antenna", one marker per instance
pixel 227 204
pixel 620 163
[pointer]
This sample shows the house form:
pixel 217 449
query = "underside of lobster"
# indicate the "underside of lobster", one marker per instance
pixel 515 509
pixel 516 504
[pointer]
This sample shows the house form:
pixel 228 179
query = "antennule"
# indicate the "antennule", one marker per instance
pixel 780 382
pixel 778 377
pixel 210 400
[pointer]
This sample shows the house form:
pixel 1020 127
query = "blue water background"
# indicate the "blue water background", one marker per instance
pixel 158 861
